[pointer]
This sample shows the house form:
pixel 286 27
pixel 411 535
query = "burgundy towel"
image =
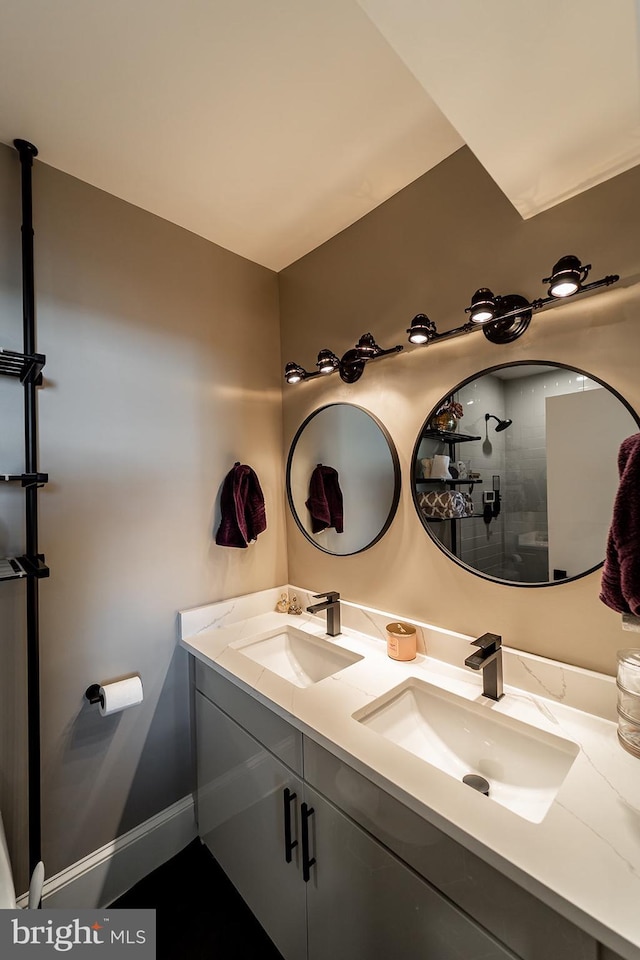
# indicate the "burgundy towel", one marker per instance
pixel 242 505
pixel 620 588
pixel 325 500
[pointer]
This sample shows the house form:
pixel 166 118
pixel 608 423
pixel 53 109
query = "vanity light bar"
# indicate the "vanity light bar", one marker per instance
pixel 503 319
pixel 350 366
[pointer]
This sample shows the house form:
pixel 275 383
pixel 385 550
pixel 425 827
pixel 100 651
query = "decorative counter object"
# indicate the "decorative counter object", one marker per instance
pixel 282 606
pixel 294 607
pixel 401 641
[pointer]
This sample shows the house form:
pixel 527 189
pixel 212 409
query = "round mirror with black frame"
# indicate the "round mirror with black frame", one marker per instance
pixel 514 472
pixel 343 479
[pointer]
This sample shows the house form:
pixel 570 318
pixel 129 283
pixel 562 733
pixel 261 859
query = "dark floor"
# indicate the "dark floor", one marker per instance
pixel 199 914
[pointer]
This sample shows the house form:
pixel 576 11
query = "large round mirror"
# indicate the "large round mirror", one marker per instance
pixel 343 479
pixel 515 472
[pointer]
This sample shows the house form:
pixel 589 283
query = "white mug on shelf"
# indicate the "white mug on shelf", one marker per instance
pixel 440 468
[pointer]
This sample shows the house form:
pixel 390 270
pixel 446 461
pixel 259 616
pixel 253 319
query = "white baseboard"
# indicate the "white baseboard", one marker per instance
pixel 104 875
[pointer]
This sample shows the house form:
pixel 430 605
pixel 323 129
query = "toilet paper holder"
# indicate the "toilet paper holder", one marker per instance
pixel 93 695
pixel 116 695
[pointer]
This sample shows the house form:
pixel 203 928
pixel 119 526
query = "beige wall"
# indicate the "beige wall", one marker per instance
pixel 426 250
pixel 163 368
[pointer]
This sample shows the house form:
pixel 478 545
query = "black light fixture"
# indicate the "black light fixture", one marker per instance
pixel 567 277
pixel 327 362
pixel 422 329
pixel 513 316
pixel 293 373
pixel 503 319
pixel 350 366
pixel 502 424
pixel 483 306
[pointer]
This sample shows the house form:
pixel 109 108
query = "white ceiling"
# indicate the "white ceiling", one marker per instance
pixel 546 93
pixel 268 127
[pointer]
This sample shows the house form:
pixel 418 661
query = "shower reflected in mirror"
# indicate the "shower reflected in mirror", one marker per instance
pixel 534 472
pixel 502 424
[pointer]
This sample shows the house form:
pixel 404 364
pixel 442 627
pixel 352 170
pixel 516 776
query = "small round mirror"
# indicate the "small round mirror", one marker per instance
pixel 343 479
pixel 516 469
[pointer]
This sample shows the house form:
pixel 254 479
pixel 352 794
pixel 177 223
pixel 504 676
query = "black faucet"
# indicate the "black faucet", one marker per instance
pixel 331 603
pixel 488 659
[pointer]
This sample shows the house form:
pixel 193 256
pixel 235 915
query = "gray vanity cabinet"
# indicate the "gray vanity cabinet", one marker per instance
pixel 527 927
pixel 241 797
pixel 363 902
pixel 359 900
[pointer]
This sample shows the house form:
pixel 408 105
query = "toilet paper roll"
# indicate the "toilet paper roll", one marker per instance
pixel 120 695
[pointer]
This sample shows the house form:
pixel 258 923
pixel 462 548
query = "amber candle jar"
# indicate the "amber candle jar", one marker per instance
pixel 401 641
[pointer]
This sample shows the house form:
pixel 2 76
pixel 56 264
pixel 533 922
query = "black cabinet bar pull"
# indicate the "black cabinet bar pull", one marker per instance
pixel 289 844
pixel 307 861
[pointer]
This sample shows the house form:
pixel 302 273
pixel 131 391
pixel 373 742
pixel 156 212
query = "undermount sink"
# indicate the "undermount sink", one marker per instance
pixel 524 766
pixel 296 656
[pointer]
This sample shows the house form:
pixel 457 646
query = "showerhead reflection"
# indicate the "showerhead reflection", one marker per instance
pixel 502 424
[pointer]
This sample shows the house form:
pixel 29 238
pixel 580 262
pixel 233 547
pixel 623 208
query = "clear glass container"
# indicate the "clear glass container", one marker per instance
pixel 629 705
pixel 629 700
pixel 629 735
pixel 629 669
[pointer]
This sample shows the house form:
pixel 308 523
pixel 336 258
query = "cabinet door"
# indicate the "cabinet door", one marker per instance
pixel 241 818
pixel 363 902
pixel 525 925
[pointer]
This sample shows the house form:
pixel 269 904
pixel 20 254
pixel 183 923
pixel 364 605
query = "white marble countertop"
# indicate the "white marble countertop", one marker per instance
pixel 583 859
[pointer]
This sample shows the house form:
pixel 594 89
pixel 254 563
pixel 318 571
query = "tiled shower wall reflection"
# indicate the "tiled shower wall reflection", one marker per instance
pixel 482 545
pixel 513 546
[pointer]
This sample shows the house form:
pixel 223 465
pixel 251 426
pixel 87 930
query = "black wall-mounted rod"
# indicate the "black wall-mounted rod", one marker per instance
pixel 27 152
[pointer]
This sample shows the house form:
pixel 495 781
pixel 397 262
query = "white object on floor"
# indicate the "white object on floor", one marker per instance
pixel 35 887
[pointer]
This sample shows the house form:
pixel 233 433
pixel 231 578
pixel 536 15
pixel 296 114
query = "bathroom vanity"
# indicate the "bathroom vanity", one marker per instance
pixel 316 797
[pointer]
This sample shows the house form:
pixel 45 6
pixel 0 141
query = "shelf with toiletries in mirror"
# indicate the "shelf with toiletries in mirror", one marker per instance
pixel 463 481
pixel 447 436
pixel 470 516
